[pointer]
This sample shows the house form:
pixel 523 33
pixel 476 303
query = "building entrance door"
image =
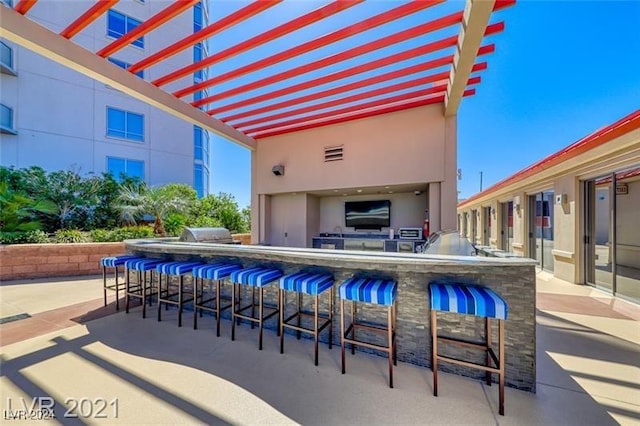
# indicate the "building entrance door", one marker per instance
pixel 541 229
pixel 612 234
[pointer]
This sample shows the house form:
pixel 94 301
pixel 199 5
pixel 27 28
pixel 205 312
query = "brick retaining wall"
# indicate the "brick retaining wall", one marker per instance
pixel 54 260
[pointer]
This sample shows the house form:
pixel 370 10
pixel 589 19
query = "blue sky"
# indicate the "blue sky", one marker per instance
pixel 561 70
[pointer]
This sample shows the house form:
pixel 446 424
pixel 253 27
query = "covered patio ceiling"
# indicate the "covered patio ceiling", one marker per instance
pixel 277 66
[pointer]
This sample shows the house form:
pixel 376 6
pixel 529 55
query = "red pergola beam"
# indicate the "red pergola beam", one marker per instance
pixel 228 21
pixel 414 69
pixel 87 18
pixel 353 108
pixel 293 25
pixel 341 34
pixel 364 114
pixel 501 4
pixel 410 33
pixel 23 6
pixel 357 97
pixel 379 63
pixel 147 26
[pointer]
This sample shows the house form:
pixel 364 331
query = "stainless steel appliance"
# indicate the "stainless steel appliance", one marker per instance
pixel 207 235
pixel 410 233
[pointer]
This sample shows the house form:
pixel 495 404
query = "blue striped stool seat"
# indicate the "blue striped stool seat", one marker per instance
pixel 176 268
pixel 113 261
pixel 256 276
pixel 216 271
pixel 142 264
pixel 467 299
pixel 369 290
pixel 305 282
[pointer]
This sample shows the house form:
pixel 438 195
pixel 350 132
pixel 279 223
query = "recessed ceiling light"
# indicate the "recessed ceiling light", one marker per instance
pixel 390 192
pixel 359 190
pixel 386 187
pixel 335 190
pixel 344 195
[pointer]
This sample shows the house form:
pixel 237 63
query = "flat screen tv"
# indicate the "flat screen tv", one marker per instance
pixel 367 214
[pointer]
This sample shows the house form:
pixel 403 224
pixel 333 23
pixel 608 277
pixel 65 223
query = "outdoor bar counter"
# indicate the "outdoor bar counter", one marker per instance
pixel 511 278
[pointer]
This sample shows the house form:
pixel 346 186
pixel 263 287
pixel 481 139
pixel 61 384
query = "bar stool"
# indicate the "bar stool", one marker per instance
pixel 215 272
pixel 139 290
pixel 256 277
pixel 114 262
pixel 165 296
pixel 376 292
pixel 314 285
pixel 469 300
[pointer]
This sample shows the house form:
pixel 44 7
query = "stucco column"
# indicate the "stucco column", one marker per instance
pixel 448 191
pixel 434 207
pixel 257 210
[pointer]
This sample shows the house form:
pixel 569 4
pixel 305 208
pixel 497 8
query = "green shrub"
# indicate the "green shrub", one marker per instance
pixel 101 236
pixel 37 237
pixel 174 224
pixel 70 236
pixel 131 232
pixel 28 237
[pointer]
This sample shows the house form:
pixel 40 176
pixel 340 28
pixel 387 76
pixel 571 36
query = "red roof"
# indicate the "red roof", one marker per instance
pixel 599 137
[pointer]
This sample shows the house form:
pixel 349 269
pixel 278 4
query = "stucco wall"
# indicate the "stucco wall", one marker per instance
pixel 409 148
pixel 407 210
pixel 396 148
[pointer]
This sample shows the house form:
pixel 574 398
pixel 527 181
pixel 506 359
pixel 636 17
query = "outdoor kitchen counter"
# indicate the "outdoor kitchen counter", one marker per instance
pixel 512 278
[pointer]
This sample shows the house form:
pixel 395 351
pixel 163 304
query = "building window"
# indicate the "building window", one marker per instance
pixel 201 180
pixel 6 120
pixel 125 65
pixel 120 167
pixel 197 143
pixel 201 145
pixel 119 24
pixel 198 17
pixel 125 124
pixel 198 55
pixel 6 58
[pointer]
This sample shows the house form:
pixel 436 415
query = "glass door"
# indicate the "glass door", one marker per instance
pixel 474 226
pixel 627 233
pixel 486 229
pixel 598 232
pixel 506 230
pixel 535 230
pixel 546 229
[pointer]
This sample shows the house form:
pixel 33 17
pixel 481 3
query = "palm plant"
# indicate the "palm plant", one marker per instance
pixel 134 202
pixel 19 213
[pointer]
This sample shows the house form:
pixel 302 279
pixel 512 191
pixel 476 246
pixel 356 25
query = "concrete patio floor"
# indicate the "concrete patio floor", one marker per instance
pixel 588 367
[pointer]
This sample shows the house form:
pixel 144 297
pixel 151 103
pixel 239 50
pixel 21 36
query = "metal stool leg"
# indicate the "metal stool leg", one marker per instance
pixel 487 334
pixel 127 288
pixel 104 284
pixel 390 340
pixel 434 351
pixel 330 317
pixel 233 311
pixel 217 308
pixel 315 327
pixel 282 302
pixel 117 292
pixel 342 333
pixel 261 313
pixel 501 359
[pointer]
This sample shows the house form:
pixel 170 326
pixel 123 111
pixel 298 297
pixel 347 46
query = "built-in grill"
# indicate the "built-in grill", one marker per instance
pixel 450 243
pixel 207 235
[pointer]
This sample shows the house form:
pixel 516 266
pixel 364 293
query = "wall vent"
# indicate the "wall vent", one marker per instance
pixel 333 153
